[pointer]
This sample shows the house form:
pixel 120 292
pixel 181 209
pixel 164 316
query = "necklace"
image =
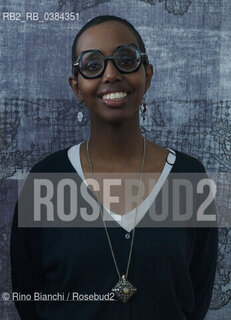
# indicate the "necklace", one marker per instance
pixel 123 289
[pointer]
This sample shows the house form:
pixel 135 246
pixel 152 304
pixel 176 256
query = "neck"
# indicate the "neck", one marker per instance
pixel 116 144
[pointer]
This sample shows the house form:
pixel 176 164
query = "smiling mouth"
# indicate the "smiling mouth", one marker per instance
pixel 115 96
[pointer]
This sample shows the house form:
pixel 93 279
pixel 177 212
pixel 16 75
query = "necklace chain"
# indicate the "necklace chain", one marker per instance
pixel 138 198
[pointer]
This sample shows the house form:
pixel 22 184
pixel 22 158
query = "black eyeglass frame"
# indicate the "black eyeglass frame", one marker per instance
pixel 112 58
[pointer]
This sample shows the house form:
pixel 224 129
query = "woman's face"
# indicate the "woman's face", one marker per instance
pixel 106 37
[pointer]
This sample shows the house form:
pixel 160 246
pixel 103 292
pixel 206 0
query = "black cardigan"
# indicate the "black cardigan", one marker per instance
pixel 172 268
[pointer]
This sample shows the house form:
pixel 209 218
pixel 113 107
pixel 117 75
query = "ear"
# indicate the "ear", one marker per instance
pixel 75 87
pixel 149 74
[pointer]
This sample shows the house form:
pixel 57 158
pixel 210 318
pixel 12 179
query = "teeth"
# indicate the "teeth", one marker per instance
pixel 115 96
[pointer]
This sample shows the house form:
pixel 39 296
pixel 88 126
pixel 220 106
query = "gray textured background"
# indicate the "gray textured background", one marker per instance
pixel 189 102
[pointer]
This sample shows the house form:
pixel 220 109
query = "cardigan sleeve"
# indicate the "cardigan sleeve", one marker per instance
pixel 26 246
pixel 203 269
pixel 203 263
pixel 205 253
pixel 26 264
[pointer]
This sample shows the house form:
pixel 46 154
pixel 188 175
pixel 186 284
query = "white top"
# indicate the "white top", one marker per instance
pixel 127 221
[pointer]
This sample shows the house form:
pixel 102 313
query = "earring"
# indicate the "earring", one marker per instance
pixel 80 116
pixel 143 107
pixel 80 112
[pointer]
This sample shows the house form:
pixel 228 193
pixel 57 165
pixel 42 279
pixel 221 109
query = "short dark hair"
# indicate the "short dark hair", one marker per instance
pixel 100 19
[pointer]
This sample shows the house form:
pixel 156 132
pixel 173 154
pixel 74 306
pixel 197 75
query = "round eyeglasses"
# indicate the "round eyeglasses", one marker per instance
pixel 92 63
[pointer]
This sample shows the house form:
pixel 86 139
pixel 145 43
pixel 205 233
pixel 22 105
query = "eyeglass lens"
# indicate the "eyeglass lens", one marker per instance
pixel 127 59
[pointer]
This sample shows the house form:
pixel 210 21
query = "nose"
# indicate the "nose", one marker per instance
pixel 111 73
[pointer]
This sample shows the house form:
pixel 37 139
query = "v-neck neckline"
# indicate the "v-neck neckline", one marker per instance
pixel 127 221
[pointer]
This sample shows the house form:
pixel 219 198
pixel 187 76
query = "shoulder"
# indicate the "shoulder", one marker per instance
pixel 55 162
pixel 158 156
pixel 187 163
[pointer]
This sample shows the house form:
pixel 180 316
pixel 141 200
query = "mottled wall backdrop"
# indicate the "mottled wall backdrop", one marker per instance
pixel 189 102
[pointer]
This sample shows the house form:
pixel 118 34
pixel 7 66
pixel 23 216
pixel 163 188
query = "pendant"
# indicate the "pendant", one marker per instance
pixel 124 290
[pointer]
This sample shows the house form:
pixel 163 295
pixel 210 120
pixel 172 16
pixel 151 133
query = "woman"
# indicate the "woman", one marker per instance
pixel 153 273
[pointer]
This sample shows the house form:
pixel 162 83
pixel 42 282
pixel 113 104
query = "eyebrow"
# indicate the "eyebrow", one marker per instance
pixel 121 45
pixel 126 44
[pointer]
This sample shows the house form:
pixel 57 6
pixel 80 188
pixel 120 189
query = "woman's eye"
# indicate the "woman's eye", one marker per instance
pixel 126 61
pixel 92 66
